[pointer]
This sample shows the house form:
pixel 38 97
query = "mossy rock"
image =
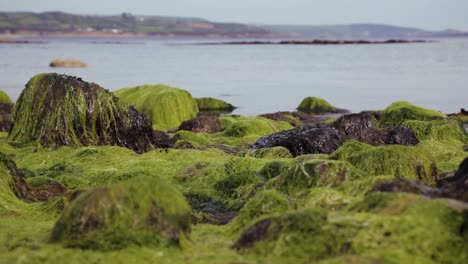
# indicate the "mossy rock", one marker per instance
pixel 349 148
pixel 315 105
pixel 59 110
pixel 255 126
pixel 400 161
pixel 276 168
pixel 145 211
pixel 4 98
pixel 438 130
pixel 166 106
pixel 399 112
pixel 210 104
pixel 270 153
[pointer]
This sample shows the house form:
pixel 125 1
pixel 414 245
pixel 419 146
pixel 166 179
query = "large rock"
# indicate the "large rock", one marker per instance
pixel 316 105
pixel 399 112
pixel 59 110
pixel 303 140
pixel 166 106
pixel 145 211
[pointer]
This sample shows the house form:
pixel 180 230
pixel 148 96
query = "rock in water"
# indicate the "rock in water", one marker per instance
pixel 315 105
pixel 303 140
pixel 59 110
pixel 67 64
pixel 210 104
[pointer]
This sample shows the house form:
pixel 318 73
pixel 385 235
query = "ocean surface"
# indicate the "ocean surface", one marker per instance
pixel 260 79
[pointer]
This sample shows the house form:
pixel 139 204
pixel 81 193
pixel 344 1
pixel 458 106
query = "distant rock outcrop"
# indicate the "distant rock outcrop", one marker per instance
pixel 67 64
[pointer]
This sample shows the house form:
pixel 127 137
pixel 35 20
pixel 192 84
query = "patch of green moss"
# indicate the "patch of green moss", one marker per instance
pixel 317 105
pixel 255 126
pixel 328 198
pixel 140 212
pixel 399 112
pixel 270 153
pixel 448 156
pixel 4 98
pixel 166 106
pixel 209 104
pixel 438 130
pixel 276 168
pixel 349 148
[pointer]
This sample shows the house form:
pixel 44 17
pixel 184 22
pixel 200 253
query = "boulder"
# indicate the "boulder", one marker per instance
pixel 303 140
pixel 210 104
pixel 204 123
pixel 59 110
pixel 145 211
pixel 399 112
pixel 316 105
pixel 59 63
pixel 166 106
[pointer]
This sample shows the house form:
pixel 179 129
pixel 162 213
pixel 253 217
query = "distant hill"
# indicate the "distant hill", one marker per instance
pixel 360 31
pixel 64 23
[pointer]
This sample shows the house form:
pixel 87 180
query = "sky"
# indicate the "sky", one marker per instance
pixel 426 14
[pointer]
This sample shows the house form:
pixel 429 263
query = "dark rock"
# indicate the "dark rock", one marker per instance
pixel 258 232
pixel 59 110
pixel 303 140
pixel 456 187
pixel 5 118
pixel 405 185
pixel 401 136
pixel 212 211
pixel 204 123
pixel 163 139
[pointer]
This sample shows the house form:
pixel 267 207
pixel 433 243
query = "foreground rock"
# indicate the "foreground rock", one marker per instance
pixel 166 106
pixel 59 110
pixel 316 105
pixel 303 140
pixel 142 212
pixel 67 64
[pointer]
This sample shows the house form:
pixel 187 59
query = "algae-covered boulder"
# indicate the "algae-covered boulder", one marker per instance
pixel 166 106
pixel 399 112
pixel 448 131
pixel 210 104
pixel 4 98
pixel 303 140
pixel 269 153
pixel 316 105
pixel 59 110
pixel 145 211
pixel 255 126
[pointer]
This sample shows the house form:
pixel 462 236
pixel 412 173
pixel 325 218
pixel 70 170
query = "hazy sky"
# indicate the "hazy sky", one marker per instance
pixel 429 14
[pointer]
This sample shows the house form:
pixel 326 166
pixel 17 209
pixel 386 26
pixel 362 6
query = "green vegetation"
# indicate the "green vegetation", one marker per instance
pixel 4 98
pixel 210 104
pixel 317 105
pixel 166 106
pixel 399 112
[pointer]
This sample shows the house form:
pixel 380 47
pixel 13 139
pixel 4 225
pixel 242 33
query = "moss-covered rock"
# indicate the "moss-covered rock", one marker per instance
pixel 5 116
pixel 4 98
pixel 438 130
pixel 269 153
pixel 210 104
pixel 166 106
pixel 318 106
pixel 141 212
pixel 255 126
pixel 58 110
pixel 399 112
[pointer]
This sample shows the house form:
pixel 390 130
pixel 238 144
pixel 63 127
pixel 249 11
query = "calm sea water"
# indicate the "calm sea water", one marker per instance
pixel 261 79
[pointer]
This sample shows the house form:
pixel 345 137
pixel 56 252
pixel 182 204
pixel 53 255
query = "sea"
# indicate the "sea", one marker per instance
pixel 259 78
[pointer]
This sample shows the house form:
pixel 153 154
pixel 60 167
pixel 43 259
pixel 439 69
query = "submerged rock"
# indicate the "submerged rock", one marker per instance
pixel 210 104
pixel 142 212
pixel 316 105
pixel 166 106
pixel 303 140
pixel 59 110
pixel 204 123
pixel 67 64
pixel 5 116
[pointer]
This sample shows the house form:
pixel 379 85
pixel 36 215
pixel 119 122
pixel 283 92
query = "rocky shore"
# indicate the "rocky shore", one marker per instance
pixel 317 42
pixel 152 174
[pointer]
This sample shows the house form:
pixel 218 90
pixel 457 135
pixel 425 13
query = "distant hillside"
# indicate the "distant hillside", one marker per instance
pixel 59 22
pixel 360 31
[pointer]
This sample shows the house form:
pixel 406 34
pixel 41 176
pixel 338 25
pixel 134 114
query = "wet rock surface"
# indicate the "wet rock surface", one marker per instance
pixel 5 116
pixel 303 140
pixel 59 110
pixel 203 123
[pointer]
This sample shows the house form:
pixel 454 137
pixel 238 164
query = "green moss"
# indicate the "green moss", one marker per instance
pixel 212 104
pixel 166 106
pixel 4 98
pixel 399 112
pixel 276 168
pixel 438 130
pixel 270 153
pixel 317 106
pixel 328 198
pixel 448 156
pixel 401 161
pixel 255 126
pixel 140 212
pixel 349 148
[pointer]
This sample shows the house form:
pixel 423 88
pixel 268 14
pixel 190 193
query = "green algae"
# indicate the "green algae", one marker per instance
pixel 210 104
pixel 270 153
pixel 317 105
pixel 439 130
pixel 4 98
pixel 140 212
pixel 399 112
pixel 255 126
pixel 166 106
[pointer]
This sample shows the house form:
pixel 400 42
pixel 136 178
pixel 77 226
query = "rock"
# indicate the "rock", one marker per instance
pixel 456 187
pixel 59 110
pixel 4 98
pixel 363 127
pixel 5 116
pixel 210 104
pixel 166 106
pixel 22 189
pixel 67 64
pixel 447 130
pixel 143 212
pixel 399 112
pixel 284 116
pixel 303 140
pixel 259 126
pixel 399 185
pixel 204 123
pixel 316 105
pixel 163 139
